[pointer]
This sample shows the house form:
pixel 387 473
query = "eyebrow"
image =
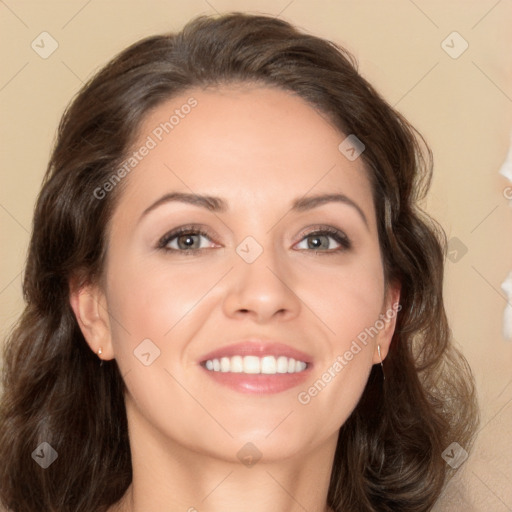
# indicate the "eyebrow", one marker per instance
pixel 219 205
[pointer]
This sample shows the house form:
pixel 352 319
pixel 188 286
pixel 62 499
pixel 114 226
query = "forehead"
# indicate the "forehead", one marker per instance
pixel 248 143
pixel 241 111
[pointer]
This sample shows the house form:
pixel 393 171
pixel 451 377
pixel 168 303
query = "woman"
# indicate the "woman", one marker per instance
pixel 233 299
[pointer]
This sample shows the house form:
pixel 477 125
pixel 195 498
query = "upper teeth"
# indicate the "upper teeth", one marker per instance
pixel 255 364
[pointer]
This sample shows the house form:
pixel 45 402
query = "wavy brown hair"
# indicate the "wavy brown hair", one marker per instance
pixel 389 450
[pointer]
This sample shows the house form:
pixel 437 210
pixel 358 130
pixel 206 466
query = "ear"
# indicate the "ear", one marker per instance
pixel 89 304
pixel 387 322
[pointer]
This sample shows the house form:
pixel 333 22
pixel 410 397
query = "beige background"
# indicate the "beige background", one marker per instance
pixel 463 106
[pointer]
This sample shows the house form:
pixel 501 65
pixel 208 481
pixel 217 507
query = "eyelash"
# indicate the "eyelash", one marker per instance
pixel 334 233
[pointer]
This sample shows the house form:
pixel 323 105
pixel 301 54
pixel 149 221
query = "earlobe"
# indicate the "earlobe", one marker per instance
pixel 89 306
pixel 387 323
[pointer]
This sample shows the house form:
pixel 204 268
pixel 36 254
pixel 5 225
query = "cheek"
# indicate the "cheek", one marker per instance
pixel 349 307
pixel 347 299
pixel 358 304
pixel 149 300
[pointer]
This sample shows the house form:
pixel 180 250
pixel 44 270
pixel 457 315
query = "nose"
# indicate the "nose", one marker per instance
pixel 263 289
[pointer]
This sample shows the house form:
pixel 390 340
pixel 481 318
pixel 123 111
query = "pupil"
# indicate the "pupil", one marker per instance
pixel 316 242
pixel 188 240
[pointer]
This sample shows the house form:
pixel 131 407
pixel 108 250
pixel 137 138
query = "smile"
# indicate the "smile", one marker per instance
pixel 268 365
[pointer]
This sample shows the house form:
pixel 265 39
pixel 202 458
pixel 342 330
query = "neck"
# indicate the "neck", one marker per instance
pixel 169 477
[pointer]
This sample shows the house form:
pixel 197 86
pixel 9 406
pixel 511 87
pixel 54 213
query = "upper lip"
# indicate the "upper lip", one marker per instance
pixel 257 347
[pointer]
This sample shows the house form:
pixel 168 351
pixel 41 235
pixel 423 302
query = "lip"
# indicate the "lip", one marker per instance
pixel 258 383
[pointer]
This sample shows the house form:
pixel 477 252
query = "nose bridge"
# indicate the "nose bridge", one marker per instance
pixel 260 279
pixel 260 261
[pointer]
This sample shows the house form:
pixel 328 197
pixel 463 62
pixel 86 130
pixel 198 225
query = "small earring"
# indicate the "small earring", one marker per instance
pixel 99 355
pixel 381 365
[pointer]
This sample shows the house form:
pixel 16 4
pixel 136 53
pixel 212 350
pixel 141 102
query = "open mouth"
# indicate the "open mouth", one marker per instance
pixel 257 366
pixel 251 365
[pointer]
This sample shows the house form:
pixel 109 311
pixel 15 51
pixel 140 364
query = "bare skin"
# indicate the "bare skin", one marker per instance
pixel 259 149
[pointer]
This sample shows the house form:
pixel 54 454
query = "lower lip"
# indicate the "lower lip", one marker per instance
pixel 259 383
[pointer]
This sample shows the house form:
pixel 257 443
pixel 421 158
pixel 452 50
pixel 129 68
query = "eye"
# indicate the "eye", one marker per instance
pixel 318 240
pixel 186 239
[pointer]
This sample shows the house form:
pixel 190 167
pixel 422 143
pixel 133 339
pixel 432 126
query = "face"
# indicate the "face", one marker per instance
pixel 259 269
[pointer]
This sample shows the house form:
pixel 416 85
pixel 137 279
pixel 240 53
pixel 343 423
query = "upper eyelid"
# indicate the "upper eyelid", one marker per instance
pixel 196 228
